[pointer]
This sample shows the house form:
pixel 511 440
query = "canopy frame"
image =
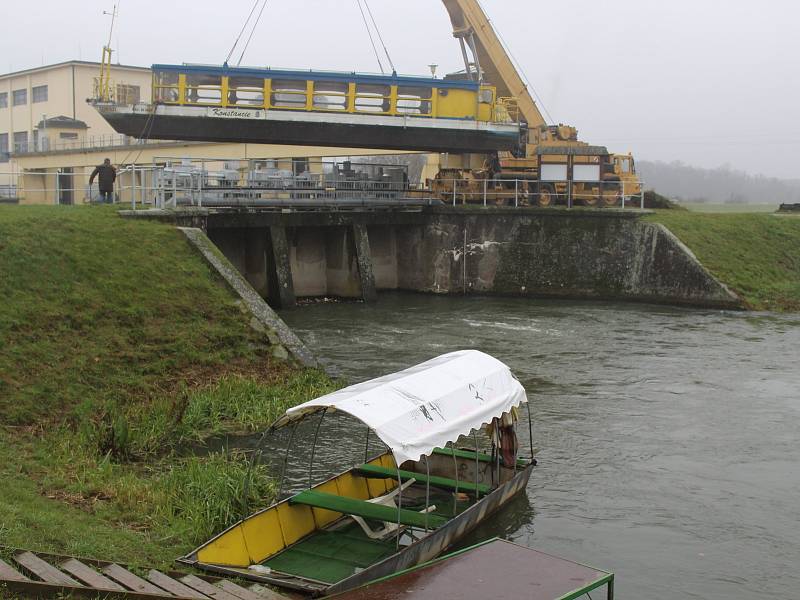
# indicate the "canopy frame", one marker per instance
pixel 479 390
pixel 469 389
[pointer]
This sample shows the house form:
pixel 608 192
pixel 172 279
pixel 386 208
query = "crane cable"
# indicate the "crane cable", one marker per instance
pixel 380 37
pixel 517 65
pixel 369 33
pixel 252 31
pixel 239 37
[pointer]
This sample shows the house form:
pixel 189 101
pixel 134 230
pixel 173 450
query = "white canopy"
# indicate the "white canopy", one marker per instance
pixel 425 406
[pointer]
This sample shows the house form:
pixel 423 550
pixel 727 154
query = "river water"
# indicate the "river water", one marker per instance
pixel 668 438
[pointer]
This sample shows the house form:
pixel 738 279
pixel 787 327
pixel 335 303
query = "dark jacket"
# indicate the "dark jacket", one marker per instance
pixel 106 175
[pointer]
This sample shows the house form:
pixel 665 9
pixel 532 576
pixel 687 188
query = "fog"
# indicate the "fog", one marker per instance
pixel 706 82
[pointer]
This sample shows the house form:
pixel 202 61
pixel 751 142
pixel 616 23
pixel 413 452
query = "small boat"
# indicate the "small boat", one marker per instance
pixel 398 509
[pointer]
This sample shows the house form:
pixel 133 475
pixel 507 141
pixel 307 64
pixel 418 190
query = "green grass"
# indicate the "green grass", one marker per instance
pixel 100 307
pixel 756 255
pixel 706 207
pixel 119 347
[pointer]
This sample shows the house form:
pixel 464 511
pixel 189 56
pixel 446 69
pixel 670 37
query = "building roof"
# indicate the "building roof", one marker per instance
pixel 62 122
pixel 67 63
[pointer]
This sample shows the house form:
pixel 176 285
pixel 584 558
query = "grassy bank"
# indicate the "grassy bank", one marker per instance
pixel 756 255
pixel 118 345
pixel 708 207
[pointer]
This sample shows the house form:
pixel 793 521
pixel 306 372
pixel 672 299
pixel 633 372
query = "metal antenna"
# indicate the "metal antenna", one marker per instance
pixel 113 14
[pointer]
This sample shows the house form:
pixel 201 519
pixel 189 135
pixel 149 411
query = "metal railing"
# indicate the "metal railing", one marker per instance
pixel 183 183
pixel 8 191
pixel 88 143
pixel 525 192
pixel 343 95
pixel 62 187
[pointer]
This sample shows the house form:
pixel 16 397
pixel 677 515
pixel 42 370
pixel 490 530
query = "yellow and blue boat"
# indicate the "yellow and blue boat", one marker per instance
pixel 319 108
pixel 401 508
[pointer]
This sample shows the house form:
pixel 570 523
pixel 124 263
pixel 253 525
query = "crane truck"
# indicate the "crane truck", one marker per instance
pixel 552 164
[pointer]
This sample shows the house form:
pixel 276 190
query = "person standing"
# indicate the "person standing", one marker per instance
pixel 106 176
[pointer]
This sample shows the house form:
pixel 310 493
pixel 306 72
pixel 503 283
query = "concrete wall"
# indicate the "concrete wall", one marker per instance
pixel 383 243
pixel 581 254
pixel 602 254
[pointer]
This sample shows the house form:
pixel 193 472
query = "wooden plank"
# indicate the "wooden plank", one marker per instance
pixel 9 573
pixel 36 589
pixel 131 581
pixel 89 576
pixel 173 586
pixel 45 571
pixel 238 591
pixel 266 593
pixel 207 588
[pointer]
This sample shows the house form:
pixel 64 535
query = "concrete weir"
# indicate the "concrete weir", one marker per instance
pixel 602 254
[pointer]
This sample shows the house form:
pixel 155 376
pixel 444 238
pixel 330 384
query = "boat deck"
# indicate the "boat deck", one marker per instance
pixel 335 553
pixel 329 556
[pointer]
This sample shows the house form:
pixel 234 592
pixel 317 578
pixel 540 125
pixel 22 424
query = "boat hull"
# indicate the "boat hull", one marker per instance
pixel 310 129
pixel 417 553
pixel 443 538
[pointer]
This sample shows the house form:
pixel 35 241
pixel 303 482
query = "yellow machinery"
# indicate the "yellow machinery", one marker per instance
pixel 103 89
pixel 552 161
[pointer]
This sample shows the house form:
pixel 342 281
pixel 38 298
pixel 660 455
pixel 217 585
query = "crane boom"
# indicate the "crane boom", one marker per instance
pixel 472 28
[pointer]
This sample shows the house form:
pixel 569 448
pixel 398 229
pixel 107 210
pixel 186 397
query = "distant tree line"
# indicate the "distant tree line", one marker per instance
pixel 679 181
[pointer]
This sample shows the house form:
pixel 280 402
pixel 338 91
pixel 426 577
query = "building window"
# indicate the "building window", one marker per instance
pixel 3 147
pixel 4 100
pixel 39 93
pixel 20 142
pixel 64 135
pixel 299 166
pixel 127 94
pixel 19 97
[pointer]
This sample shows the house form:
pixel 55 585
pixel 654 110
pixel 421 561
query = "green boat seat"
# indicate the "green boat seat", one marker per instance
pixel 436 481
pixel 470 455
pixel 367 510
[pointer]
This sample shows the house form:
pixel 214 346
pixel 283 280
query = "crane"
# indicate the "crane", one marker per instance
pixel 546 146
pixel 471 27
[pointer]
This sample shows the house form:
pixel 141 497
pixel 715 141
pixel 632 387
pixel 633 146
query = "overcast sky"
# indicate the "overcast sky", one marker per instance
pixel 708 82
